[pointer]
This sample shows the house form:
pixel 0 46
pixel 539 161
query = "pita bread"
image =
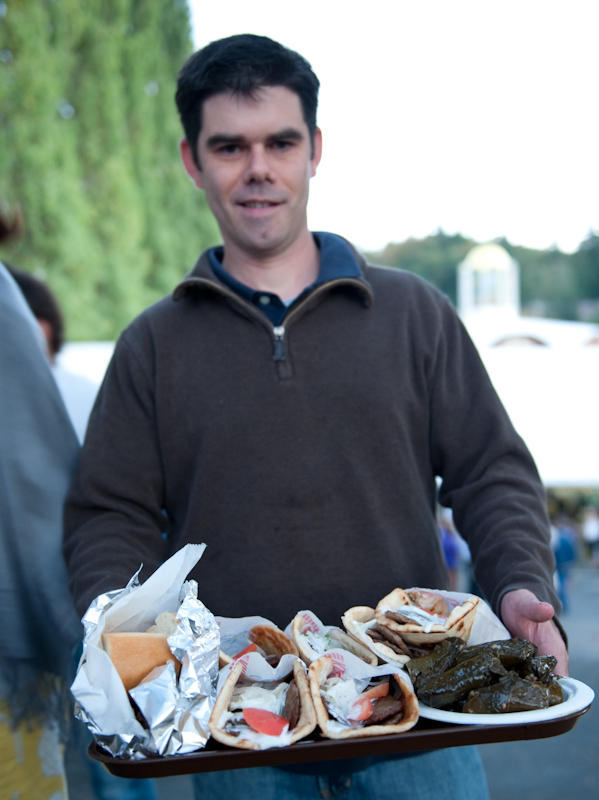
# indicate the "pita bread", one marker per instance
pixel 340 640
pixel 268 638
pixel 305 724
pixel 135 655
pixel 458 623
pixel 354 620
pixel 166 623
pixel 319 671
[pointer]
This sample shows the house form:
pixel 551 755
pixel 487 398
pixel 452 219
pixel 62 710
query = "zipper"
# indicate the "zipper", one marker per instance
pixel 279 343
pixel 278 331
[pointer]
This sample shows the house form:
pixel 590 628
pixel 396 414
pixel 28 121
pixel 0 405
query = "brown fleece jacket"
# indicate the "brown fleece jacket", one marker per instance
pixel 304 457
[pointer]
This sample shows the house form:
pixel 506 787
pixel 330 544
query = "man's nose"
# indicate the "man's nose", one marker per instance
pixel 258 168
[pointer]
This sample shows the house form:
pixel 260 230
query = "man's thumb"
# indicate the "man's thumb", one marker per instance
pixel 536 611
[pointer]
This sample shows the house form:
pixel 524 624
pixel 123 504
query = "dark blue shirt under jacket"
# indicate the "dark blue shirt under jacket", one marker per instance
pixel 336 261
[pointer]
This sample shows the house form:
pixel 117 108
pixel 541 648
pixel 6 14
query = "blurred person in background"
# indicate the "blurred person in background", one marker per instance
pixel 590 534
pixel 40 629
pixel 451 548
pixel 40 635
pixel 564 541
pixel 78 392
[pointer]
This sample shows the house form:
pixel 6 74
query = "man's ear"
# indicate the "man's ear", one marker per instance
pixel 189 163
pixel 317 152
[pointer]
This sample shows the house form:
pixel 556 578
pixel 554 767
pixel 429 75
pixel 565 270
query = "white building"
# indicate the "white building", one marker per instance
pixel 546 371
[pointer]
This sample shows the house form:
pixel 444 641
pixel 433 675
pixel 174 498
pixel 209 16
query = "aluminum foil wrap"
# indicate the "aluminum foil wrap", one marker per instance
pixel 176 712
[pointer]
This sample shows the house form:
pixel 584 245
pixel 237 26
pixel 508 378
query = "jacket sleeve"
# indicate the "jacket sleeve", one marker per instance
pixel 114 519
pixel 489 478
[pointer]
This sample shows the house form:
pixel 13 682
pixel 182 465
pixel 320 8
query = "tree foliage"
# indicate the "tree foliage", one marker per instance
pixel 88 150
pixel 552 283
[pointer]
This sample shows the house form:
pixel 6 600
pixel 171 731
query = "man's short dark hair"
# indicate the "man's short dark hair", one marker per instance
pixel 242 65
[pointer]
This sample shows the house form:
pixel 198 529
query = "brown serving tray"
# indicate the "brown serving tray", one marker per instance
pixel 426 735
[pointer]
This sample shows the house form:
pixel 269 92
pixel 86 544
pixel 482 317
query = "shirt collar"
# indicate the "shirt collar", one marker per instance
pixel 337 260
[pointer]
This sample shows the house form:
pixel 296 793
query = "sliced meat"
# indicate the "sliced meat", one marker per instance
pixel 398 617
pixel 395 639
pixel 394 719
pixel 291 710
pixel 375 635
pixel 383 709
pixel 395 689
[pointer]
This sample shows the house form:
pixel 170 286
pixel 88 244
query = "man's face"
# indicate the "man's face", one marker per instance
pixel 256 163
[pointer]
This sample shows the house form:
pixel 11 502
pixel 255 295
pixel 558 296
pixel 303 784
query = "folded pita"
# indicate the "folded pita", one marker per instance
pixel 305 725
pixel 356 621
pixel 271 640
pixel 318 673
pixel 339 640
pixel 457 622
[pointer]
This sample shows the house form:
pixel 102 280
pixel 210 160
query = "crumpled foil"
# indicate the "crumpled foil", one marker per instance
pixel 176 713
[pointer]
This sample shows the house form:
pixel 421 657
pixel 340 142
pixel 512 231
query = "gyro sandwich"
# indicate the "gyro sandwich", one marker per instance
pixel 256 715
pixel 353 700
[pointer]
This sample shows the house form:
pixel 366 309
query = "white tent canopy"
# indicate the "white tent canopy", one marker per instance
pixel 552 397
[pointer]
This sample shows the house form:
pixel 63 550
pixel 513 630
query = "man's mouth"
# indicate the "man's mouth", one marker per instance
pixel 258 204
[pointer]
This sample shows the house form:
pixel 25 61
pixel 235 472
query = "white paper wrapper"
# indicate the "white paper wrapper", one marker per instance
pixel 314 625
pixel 177 715
pixel 234 632
pixel 316 639
pixel 256 668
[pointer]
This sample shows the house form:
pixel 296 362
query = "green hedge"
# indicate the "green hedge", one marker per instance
pixel 89 150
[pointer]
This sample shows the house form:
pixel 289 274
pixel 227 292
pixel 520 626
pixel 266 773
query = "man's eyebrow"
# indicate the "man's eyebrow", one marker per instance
pixel 287 133
pixel 219 139
pixel 224 138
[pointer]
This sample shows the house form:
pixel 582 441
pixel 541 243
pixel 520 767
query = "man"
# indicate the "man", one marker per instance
pixel 291 406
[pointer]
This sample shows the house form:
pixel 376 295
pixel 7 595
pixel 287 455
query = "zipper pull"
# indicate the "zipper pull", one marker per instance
pixel 279 343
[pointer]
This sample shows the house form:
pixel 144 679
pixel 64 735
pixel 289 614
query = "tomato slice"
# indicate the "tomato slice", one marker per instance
pixel 249 649
pixel 265 721
pixel 362 706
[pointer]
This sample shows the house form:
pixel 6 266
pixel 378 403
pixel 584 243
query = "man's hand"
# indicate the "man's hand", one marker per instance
pixel 524 615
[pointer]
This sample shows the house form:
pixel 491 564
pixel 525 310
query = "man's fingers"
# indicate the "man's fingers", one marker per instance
pixel 536 611
pixel 525 615
pixel 562 665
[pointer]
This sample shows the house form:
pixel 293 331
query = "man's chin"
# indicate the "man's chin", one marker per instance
pixel 264 244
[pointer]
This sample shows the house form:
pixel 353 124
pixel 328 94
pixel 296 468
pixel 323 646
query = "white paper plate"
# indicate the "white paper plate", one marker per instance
pixel 577 696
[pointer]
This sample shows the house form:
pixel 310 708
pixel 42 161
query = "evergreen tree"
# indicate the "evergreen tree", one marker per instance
pixel 88 150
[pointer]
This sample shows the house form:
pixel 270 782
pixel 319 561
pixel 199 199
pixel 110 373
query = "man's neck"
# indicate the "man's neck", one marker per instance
pixel 286 274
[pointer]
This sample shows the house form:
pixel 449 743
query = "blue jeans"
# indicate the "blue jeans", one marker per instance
pixel 453 774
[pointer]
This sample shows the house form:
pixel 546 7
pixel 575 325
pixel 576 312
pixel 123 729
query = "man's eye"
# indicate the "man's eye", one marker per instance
pixel 229 149
pixel 282 145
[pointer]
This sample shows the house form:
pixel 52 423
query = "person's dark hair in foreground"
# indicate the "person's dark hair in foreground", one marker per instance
pixel 242 65
pixel 43 304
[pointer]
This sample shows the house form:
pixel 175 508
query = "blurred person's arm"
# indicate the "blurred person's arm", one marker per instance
pixel 38 450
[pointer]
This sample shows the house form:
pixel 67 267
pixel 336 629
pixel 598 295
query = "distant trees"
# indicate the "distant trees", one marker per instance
pixel 88 150
pixel 552 283
pixel 434 258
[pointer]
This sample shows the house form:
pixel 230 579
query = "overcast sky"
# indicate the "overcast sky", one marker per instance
pixel 477 117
